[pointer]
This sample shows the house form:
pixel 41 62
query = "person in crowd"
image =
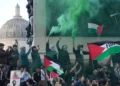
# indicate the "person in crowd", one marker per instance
pixel 59 82
pixel 63 55
pixel 88 82
pixel 94 83
pixel 14 57
pixel 106 73
pixel 16 43
pixel 115 75
pixel 101 75
pixel 51 52
pixel 8 74
pixel 44 77
pixel 36 60
pixel 117 70
pixel 68 76
pixel 76 69
pixel 24 76
pixel 56 83
pixel 94 76
pixel 37 76
pixel 80 81
pixel 3 76
pixel 3 54
pixel 72 83
pixel 29 82
pixel 24 57
pixel 104 83
pixel 8 53
pixel 79 53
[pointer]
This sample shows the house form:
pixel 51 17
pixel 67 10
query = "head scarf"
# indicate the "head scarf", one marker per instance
pixel 52 47
pixel 22 48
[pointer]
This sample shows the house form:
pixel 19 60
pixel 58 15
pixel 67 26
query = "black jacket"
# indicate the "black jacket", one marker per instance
pixel 3 57
pixel 52 55
pixel 36 77
pixel 3 78
pixel 113 77
pixel 63 56
pixel 79 56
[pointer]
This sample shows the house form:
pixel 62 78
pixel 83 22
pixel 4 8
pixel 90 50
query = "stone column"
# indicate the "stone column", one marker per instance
pixel 40 23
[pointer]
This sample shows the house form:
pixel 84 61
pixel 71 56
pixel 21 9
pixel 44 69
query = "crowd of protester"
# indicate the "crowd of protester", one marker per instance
pixel 74 73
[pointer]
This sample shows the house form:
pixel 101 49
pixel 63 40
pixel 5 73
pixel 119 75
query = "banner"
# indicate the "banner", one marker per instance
pixel 15 78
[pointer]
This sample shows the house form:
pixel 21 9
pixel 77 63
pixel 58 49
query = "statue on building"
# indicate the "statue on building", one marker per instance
pixel 29 29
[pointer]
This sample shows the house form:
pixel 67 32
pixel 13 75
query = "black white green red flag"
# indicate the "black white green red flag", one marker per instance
pixel 52 66
pixel 94 28
pixel 101 50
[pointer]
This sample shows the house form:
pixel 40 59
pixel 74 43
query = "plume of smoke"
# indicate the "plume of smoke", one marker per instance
pixel 68 21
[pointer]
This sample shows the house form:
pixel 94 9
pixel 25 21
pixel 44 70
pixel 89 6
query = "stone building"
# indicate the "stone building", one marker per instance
pixel 13 29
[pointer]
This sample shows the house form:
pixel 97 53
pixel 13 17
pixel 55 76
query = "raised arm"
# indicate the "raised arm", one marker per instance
pixel 74 51
pixel 38 47
pixel 78 71
pixel 47 45
pixel 57 44
pixel 74 67
pixel 26 54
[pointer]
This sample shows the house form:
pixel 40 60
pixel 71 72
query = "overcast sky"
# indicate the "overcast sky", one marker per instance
pixel 7 9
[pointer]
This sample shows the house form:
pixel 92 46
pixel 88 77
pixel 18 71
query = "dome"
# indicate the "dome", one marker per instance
pixel 14 28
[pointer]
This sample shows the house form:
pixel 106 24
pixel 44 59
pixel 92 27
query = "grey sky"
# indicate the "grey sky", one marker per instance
pixel 7 10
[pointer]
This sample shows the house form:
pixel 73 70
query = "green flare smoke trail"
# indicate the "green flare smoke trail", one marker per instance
pixel 68 21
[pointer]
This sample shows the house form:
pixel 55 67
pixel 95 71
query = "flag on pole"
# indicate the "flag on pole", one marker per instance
pixel 94 28
pixel 50 66
pixel 53 68
pixel 101 50
pixel 53 74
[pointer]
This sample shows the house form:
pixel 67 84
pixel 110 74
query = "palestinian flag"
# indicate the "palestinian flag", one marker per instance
pixel 52 66
pixel 94 28
pixel 52 76
pixel 101 50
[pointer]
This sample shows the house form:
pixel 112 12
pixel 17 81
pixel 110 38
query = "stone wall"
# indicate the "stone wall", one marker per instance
pixel 40 32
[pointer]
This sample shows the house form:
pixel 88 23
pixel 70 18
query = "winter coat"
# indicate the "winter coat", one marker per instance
pixel 3 57
pixel 14 58
pixel 79 55
pixel 52 55
pixel 2 78
pixel 36 77
pixel 63 56
pixel 24 57
pixel 36 60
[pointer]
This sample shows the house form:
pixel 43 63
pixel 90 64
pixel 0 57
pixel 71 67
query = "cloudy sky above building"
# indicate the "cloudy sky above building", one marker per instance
pixel 7 10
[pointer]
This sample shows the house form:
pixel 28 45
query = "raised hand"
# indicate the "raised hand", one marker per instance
pixel 38 47
pixel 16 41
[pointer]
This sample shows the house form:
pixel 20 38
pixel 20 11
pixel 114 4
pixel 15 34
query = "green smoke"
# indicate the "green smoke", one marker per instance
pixel 68 21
